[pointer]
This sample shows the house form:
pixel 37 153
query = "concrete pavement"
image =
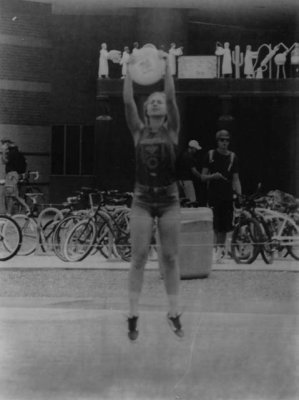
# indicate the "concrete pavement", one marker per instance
pixel 47 261
pixel 241 341
pixel 71 354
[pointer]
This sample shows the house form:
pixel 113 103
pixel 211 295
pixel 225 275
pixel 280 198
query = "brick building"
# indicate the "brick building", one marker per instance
pixel 50 97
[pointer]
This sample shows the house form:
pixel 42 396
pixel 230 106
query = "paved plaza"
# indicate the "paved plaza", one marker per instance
pixel 63 333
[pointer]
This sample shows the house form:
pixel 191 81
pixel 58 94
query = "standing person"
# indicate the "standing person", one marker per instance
pixel 103 62
pixel 124 61
pixel 221 171
pixel 155 194
pixel 135 48
pixel 227 68
pixel 187 169
pixel 174 52
pixel 15 164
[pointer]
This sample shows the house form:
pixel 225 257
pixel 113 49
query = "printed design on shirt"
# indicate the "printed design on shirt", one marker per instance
pixel 153 157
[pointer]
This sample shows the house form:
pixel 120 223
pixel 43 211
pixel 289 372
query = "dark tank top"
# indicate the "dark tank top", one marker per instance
pixel 155 158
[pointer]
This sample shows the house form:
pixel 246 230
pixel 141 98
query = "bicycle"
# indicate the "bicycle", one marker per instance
pixel 10 238
pixel 103 229
pixel 117 204
pixel 72 213
pixel 251 234
pixel 36 225
pixel 37 231
pixel 284 228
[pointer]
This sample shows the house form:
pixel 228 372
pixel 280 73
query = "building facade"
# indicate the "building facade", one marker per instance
pixel 52 100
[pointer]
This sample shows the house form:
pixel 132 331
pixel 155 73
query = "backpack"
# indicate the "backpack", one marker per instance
pixel 232 157
pixel 16 161
pixel 22 164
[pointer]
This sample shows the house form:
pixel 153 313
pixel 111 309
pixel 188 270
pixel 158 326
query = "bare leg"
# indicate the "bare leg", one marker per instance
pixel 9 204
pixel 219 242
pixel 23 203
pixel 169 228
pixel 141 225
pixel 220 239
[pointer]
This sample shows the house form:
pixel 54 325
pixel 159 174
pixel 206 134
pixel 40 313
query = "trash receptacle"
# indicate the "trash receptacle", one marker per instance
pixel 196 242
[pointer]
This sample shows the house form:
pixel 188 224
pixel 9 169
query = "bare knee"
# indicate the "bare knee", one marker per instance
pixel 139 259
pixel 169 259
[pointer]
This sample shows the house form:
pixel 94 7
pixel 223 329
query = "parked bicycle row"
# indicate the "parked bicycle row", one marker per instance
pixel 94 220
pixel 266 225
pixel 89 221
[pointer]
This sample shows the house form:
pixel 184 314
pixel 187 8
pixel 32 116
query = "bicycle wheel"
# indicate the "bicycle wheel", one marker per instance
pixel 49 214
pixel 281 249
pixel 10 238
pixel 80 240
pixel 105 240
pixel 30 234
pixel 245 241
pixel 267 245
pixel 121 218
pixel 123 246
pixel 60 233
pixel 293 249
pixel 46 234
pixel 121 224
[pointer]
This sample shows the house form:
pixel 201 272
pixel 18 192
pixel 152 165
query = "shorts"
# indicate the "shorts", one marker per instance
pixel 223 215
pixel 11 184
pixel 156 200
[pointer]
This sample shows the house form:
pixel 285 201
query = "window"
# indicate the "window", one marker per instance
pixel 72 150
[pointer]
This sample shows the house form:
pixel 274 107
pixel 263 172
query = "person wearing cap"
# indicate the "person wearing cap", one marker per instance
pixel 221 172
pixel 187 170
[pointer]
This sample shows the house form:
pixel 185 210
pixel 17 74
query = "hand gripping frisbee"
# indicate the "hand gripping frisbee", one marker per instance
pixel 146 67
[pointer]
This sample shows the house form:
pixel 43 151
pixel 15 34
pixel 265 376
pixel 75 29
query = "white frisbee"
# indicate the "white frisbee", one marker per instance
pixel 147 67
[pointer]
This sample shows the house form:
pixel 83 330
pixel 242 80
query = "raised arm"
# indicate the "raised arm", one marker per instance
pixel 131 112
pixel 172 109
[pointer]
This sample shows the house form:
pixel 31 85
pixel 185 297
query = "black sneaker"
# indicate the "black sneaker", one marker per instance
pixel 132 325
pixel 175 325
